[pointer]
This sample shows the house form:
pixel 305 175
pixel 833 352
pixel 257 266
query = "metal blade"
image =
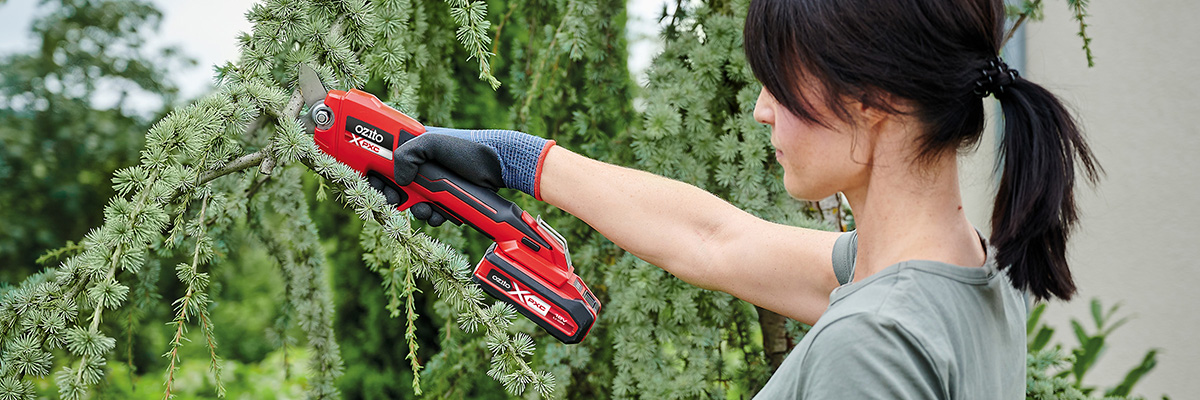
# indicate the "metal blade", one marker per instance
pixel 310 86
pixel 313 92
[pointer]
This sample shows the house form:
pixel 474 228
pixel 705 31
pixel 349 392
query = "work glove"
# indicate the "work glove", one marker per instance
pixel 489 158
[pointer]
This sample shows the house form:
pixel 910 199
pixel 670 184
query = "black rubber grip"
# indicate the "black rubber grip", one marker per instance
pixel 435 178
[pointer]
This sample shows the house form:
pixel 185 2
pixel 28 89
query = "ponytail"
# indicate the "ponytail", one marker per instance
pixel 1035 204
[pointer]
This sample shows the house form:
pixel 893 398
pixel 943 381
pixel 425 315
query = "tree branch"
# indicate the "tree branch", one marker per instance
pixel 290 111
pixel 262 158
pixel 1021 20
pixel 496 42
pixel 241 163
pixel 522 114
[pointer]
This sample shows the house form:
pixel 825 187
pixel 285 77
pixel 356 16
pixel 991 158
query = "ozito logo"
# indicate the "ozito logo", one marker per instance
pixel 364 130
pixel 499 279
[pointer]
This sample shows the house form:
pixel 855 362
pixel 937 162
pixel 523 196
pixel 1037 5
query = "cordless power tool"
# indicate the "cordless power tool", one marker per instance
pixel 528 265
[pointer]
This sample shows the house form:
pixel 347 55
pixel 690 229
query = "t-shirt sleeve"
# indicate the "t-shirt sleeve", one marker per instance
pixel 863 356
pixel 844 251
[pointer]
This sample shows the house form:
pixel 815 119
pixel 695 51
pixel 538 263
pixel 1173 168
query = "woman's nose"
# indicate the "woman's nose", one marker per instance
pixel 764 108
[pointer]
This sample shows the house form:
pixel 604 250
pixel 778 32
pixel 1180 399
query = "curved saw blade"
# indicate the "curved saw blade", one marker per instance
pixel 313 92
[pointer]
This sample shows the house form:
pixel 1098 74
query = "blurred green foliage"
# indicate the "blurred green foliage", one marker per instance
pixel 1057 372
pixel 262 380
pixel 66 124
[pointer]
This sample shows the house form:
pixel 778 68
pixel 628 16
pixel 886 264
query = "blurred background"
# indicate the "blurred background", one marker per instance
pixel 1137 246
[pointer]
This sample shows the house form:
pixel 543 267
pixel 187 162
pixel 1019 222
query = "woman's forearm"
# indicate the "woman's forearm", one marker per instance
pixel 665 222
pixel 695 235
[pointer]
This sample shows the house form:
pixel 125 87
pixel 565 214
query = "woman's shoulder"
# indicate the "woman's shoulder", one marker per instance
pixel 859 354
pixel 922 322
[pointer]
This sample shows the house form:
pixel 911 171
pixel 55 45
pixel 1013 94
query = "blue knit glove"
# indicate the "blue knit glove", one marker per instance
pixel 518 157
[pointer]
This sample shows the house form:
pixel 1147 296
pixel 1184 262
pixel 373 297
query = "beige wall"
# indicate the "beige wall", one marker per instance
pixel 1139 242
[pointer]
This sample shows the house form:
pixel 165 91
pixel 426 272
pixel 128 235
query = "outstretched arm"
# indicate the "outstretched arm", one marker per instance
pixel 689 232
pixel 695 235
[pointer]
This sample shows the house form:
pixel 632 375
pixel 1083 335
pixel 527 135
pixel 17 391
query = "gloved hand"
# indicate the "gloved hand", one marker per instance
pixel 490 158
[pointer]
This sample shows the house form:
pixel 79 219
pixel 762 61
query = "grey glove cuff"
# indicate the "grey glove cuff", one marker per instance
pixel 520 154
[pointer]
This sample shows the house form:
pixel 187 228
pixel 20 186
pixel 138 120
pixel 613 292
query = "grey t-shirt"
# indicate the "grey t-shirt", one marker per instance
pixel 915 330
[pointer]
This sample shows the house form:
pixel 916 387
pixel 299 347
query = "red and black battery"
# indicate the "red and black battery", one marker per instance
pixel 528 266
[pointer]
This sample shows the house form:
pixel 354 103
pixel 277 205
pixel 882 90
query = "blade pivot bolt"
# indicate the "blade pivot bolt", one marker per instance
pixel 322 115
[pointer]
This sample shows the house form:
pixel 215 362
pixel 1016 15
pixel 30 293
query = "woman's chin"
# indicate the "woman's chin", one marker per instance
pixel 805 193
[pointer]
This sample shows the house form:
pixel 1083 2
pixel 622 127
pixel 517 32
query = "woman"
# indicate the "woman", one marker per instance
pixel 871 98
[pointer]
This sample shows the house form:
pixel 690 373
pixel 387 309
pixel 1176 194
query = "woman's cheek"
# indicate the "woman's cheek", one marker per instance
pixel 794 176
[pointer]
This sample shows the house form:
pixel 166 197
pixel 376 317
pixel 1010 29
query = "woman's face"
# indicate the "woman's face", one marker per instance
pixel 817 161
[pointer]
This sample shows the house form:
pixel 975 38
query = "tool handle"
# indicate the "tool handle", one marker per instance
pixel 462 201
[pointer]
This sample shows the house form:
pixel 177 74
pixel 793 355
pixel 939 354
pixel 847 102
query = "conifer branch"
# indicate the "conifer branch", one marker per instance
pixel 66 251
pixel 410 328
pixel 1032 9
pixel 205 321
pixel 240 164
pixel 262 157
pixel 471 17
pixel 196 283
pixel 400 294
pixel 1079 12
pixel 296 247
pixel 129 347
pixel 440 264
pixel 94 329
pixel 500 28
pixel 1029 9
pixel 92 344
pixel 111 273
pixel 532 92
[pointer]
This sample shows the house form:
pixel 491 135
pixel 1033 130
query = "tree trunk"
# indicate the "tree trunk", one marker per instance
pixel 776 343
pixel 829 210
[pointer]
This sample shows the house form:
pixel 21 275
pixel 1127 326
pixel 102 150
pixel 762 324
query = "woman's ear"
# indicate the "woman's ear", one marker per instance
pixel 878 108
pixel 862 129
pixel 880 127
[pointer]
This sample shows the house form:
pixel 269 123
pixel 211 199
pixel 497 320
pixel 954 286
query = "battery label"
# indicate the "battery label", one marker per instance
pixel 530 300
pixel 525 297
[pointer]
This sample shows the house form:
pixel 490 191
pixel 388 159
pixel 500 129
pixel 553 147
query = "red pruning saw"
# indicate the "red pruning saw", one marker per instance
pixel 528 266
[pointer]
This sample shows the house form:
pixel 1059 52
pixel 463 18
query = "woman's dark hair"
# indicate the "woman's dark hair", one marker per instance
pixel 816 54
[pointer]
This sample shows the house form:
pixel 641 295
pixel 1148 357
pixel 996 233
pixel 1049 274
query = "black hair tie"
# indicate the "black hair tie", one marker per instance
pixel 995 77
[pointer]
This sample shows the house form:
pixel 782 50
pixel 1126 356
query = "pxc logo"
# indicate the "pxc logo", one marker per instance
pixel 530 299
pixel 371 147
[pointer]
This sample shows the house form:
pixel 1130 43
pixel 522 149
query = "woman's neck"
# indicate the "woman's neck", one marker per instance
pixel 912 213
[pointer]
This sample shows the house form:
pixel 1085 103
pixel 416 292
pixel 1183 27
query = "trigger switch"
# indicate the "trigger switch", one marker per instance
pixel 392 196
pixel 449 215
pixel 375 182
